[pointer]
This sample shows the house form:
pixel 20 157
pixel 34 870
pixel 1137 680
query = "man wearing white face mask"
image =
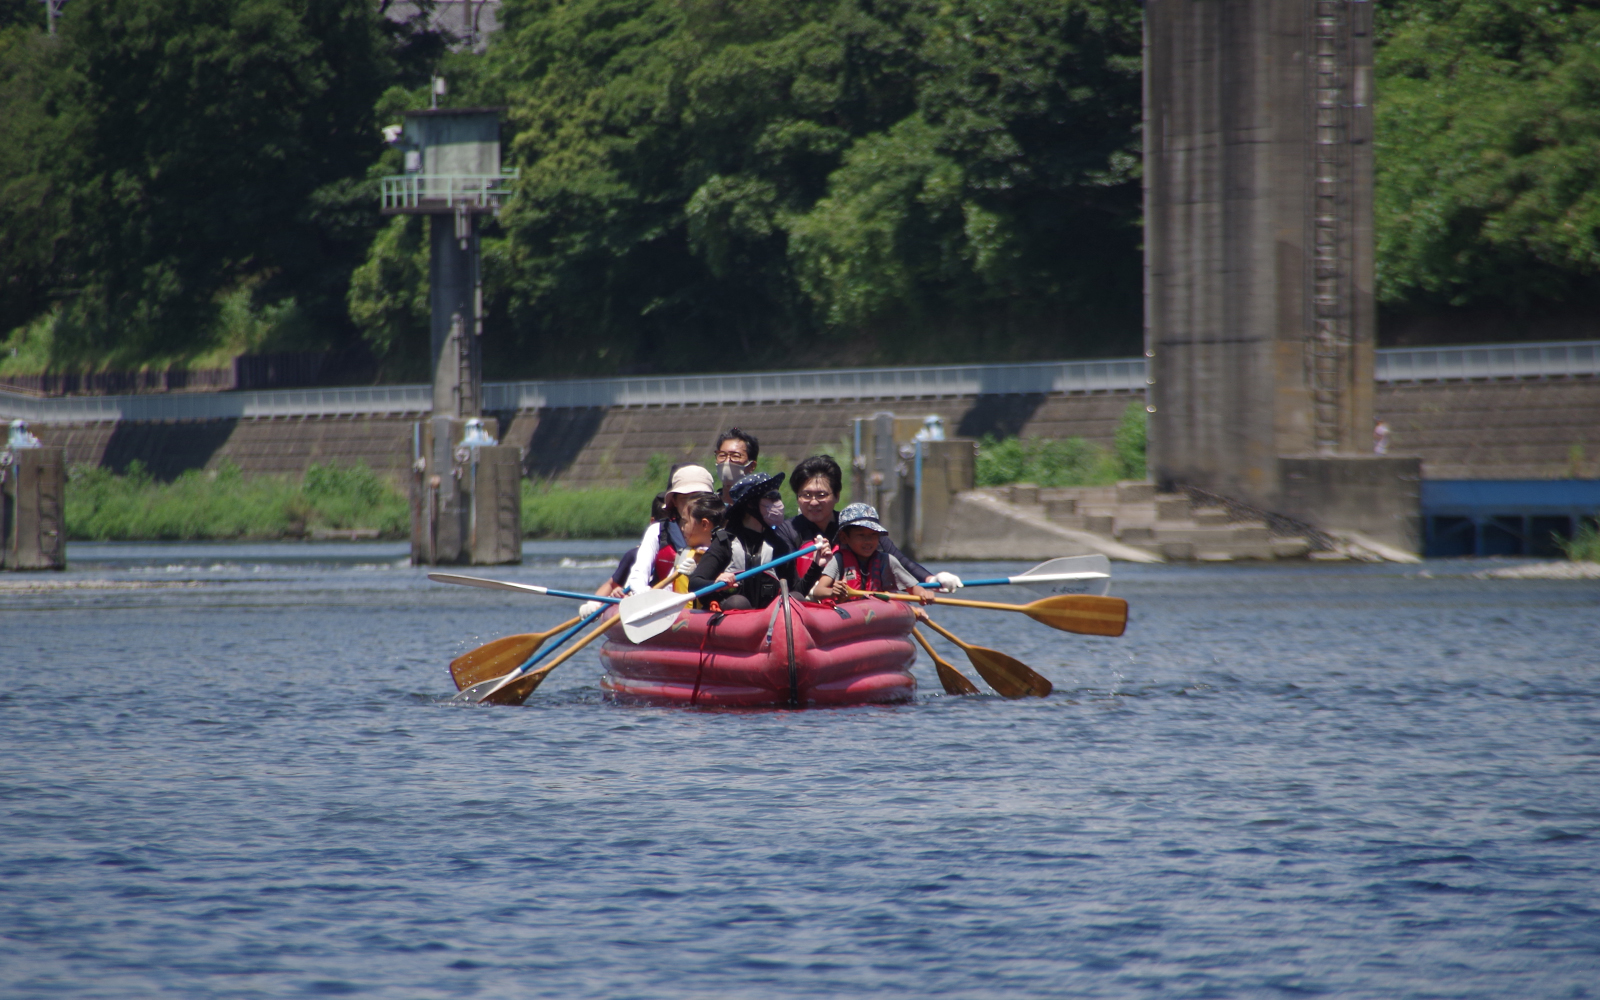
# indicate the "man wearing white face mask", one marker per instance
pixel 736 456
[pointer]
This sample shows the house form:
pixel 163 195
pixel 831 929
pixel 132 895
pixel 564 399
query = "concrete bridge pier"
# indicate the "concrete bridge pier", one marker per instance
pixel 1259 262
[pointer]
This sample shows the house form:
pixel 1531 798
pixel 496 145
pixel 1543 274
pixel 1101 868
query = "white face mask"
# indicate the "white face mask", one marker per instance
pixel 731 473
pixel 772 512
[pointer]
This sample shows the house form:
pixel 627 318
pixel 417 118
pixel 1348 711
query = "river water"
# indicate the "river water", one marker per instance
pixel 225 771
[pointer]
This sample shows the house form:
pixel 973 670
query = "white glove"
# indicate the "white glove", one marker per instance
pixel 588 608
pixel 949 583
pixel 688 559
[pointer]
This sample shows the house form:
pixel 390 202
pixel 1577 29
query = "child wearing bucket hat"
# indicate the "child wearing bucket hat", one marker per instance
pixel 748 539
pixel 860 563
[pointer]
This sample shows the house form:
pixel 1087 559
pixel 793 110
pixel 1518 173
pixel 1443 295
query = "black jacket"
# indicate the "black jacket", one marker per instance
pixel 800 532
pixel 761 589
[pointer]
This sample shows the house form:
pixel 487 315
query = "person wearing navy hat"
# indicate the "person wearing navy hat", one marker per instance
pixel 747 539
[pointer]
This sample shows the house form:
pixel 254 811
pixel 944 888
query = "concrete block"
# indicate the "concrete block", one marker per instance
pixel 1377 496
pixel 1172 508
pixel 1100 524
pixel 1057 509
pixel 1213 516
pixel 1025 493
pixel 1177 551
pixel 1131 492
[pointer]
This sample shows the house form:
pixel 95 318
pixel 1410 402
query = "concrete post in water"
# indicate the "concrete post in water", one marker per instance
pixel 464 508
pixel 32 499
pixel 1259 261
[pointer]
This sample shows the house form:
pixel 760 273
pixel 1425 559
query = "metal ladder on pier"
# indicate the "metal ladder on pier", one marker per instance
pixel 1329 347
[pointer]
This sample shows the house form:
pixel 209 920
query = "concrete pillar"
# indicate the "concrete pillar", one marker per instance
pixel 32 508
pixel 467 508
pixel 1259 249
pixel 456 323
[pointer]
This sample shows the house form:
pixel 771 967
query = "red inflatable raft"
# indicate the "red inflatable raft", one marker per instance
pixel 793 653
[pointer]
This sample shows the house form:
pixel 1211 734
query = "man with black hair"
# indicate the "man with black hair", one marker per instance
pixel 736 456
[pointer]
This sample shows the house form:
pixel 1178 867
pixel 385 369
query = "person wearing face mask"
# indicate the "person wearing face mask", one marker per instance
pixel 747 540
pixel 736 456
pixel 817 482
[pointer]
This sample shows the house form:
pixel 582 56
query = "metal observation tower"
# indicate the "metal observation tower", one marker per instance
pixel 466 491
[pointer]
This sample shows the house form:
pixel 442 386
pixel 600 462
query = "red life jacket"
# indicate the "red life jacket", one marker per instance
pixel 876 575
pixel 666 556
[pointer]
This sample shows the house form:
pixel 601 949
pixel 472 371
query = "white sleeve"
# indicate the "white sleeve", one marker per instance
pixel 833 570
pixel 649 545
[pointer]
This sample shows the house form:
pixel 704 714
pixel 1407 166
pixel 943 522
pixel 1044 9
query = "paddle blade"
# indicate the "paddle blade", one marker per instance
pixel 494 659
pixel 1008 675
pixel 1084 614
pixel 1038 579
pixel 650 613
pixel 952 680
pixel 514 693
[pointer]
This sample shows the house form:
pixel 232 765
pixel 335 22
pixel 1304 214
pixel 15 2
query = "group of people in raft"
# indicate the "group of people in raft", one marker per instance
pixel 700 534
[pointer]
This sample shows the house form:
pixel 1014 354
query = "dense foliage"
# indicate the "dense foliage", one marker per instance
pixel 1488 152
pixel 711 184
pixel 159 154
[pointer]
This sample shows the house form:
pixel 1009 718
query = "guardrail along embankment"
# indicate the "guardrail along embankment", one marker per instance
pixel 1502 411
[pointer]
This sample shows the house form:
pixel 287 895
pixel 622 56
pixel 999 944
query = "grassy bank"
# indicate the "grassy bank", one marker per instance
pixel 223 505
pixel 1585 545
pixel 606 512
pixel 1069 462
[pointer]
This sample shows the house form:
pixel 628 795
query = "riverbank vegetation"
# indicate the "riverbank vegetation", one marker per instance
pixel 221 504
pixel 1585 545
pixel 1067 462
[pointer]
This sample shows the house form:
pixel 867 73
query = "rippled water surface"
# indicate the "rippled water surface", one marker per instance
pixel 229 774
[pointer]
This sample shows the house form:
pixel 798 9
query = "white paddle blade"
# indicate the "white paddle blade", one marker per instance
pixel 478 581
pixel 481 690
pixel 1069 575
pixel 650 613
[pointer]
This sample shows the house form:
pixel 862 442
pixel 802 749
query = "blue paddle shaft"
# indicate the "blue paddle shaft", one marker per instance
pixel 582 597
pixel 563 637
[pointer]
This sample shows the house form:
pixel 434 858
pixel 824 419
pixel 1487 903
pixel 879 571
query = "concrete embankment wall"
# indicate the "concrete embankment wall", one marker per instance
pixel 589 447
pixel 1463 430
pixel 258 447
pixel 1496 430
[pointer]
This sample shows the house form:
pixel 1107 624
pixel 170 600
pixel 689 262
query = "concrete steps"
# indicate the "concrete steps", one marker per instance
pixel 1164 524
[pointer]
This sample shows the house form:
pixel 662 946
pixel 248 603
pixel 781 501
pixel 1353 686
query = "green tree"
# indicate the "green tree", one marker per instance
pixel 160 154
pixel 32 221
pixel 1488 152
pixel 716 184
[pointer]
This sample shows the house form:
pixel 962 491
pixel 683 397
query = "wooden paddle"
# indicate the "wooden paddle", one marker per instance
pixel 1007 675
pixel 500 657
pixel 515 687
pixel 1084 614
pixel 954 681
